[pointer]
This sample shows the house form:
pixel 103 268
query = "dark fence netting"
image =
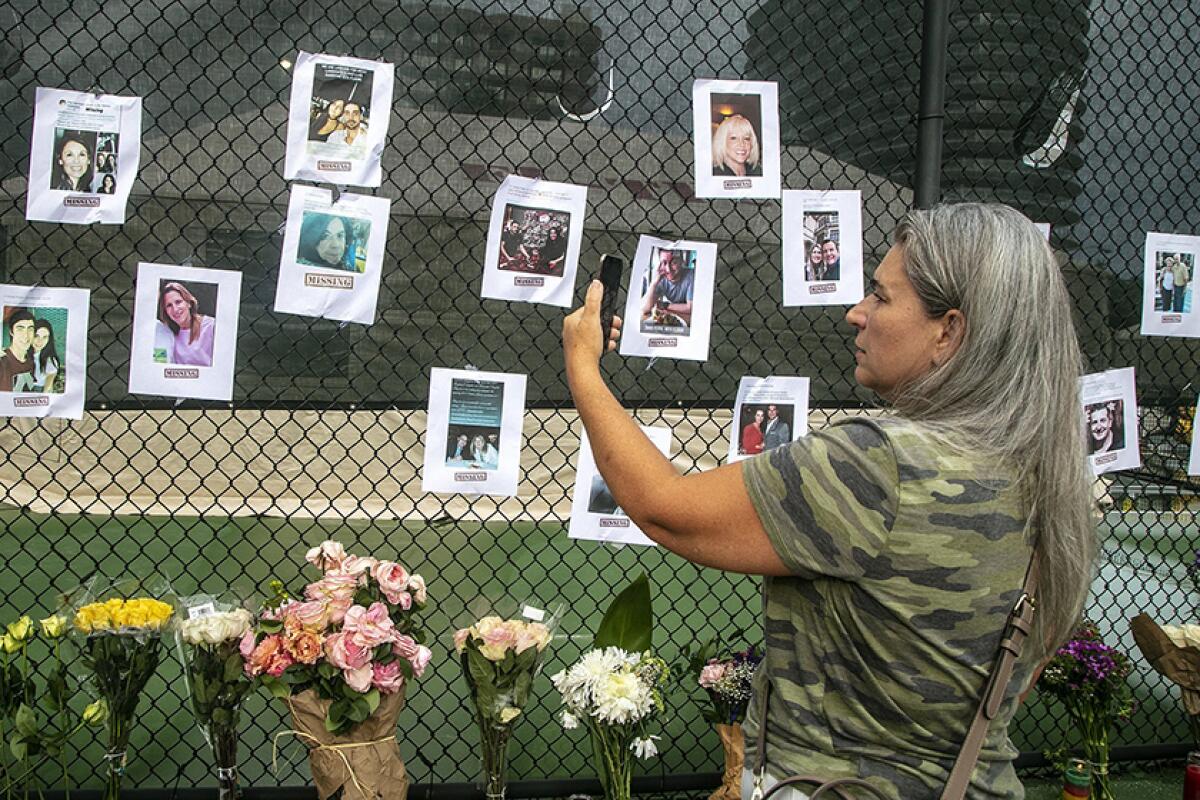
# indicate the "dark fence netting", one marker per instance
pixel 1083 115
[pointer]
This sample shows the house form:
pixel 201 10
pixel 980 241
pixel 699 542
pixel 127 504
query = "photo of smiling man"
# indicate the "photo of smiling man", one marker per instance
pixel 16 364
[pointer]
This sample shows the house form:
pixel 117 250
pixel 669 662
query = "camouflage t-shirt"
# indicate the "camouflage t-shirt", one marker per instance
pixel 905 561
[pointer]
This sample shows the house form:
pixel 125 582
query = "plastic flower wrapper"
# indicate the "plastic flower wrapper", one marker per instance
pixel 1090 679
pixel 1174 652
pixel 340 652
pixel 122 625
pixel 208 635
pixel 500 652
pixel 616 689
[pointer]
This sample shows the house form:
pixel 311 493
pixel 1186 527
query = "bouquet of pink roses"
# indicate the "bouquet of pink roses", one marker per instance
pixel 340 655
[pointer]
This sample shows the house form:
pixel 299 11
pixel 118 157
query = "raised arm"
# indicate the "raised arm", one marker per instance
pixel 707 517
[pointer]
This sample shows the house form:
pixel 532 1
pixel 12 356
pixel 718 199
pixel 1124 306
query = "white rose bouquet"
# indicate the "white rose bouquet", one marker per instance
pixel 499 659
pixel 616 689
pixel 209 633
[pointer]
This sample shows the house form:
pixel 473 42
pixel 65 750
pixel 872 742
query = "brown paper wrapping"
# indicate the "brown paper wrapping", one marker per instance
pixel 364 762
pixel 733 743
pixel 1180 665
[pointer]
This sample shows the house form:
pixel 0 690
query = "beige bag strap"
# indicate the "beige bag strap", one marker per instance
pixel 1012 640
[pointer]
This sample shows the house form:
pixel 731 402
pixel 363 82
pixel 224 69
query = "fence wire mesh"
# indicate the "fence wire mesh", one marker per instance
pixel 1082 115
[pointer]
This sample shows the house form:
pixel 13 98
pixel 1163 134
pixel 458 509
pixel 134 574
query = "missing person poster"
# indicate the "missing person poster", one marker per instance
pixel 822 248
pixel 595 515
pixel 473 439
pixel 185 323
pixel 668 309
pixel 332 255
pixel 1168 293
pixel 43 364
pixel 735 126
pixel 84 157
pixel 338 119
pixel 1110 417
pixel 768 412
pixel 533 241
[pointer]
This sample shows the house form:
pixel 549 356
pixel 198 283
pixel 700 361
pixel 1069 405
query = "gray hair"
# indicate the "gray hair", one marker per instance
pixel 1011 391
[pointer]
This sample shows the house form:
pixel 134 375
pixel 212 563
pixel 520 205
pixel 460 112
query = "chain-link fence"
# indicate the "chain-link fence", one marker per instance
pixel 1083 117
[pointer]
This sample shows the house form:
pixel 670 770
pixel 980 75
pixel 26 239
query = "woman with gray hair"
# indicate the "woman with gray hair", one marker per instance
pixel 894 547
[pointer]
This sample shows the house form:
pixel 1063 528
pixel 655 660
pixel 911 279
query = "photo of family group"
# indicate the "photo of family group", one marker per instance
pixel 473 447
pixel 333 242
pixel 340 108
pixel 34 350
pixel 668 289
pixel 1173 273
pixel 821 235
pixel 764 427
pixel 534 240
pixel 84 162
pixel 1106 426
pixel 187 323
pixel 736 123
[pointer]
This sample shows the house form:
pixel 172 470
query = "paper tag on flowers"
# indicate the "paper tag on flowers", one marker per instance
pixel 535 614
pixel 202 610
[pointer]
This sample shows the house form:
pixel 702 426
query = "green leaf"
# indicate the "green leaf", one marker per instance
pixel 270 625
pixel 629 621
pixel 372 699
pixel 276 687
pixel 18 747
pixel 233 667
pixel 26 721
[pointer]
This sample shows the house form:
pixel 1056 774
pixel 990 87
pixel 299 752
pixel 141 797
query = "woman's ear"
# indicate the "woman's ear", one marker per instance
pixel 954 331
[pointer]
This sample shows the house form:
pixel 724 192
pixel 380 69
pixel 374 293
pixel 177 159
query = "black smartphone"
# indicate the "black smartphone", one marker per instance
pixel 610 275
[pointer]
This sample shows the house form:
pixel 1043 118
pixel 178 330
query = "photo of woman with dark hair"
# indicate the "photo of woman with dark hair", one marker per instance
pixel 72 168
pixel 193 333
pixel 46 361
pixel 735 150
pixel 328 241
pixel 108 185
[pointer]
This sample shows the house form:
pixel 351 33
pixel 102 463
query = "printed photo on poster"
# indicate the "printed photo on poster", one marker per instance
pixel 533 241
pixel 43 351
pixel 476 413
pixel 667 292
pixel 84 157
pixel 332 257
pixel 768 412
pixel 1110 420
pixel 473 439
pixel 595 514
pixel 184 332
pixel 338 119
pixel 668 309
pixel 1168 299
pixel 822 248
pixel 736 138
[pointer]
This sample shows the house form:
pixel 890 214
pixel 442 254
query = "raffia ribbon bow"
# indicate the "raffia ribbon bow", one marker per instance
pixel 365 762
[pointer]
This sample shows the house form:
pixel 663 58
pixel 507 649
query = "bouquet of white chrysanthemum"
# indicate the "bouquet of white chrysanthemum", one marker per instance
pixel 615 693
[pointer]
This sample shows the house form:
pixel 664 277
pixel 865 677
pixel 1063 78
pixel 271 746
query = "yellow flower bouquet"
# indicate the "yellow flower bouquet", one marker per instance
pixel 121 648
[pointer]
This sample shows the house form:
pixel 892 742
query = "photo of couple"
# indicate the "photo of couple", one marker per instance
pixel 340 109
pixel 1173 281
pixel 764 427
pixel 33 356
pixel 821 234
pixel 473 448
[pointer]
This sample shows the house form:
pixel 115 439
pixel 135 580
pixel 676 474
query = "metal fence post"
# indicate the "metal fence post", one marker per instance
pixel 931 108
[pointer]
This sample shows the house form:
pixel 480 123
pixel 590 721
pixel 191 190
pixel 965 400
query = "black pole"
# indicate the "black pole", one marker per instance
pixel 932 104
